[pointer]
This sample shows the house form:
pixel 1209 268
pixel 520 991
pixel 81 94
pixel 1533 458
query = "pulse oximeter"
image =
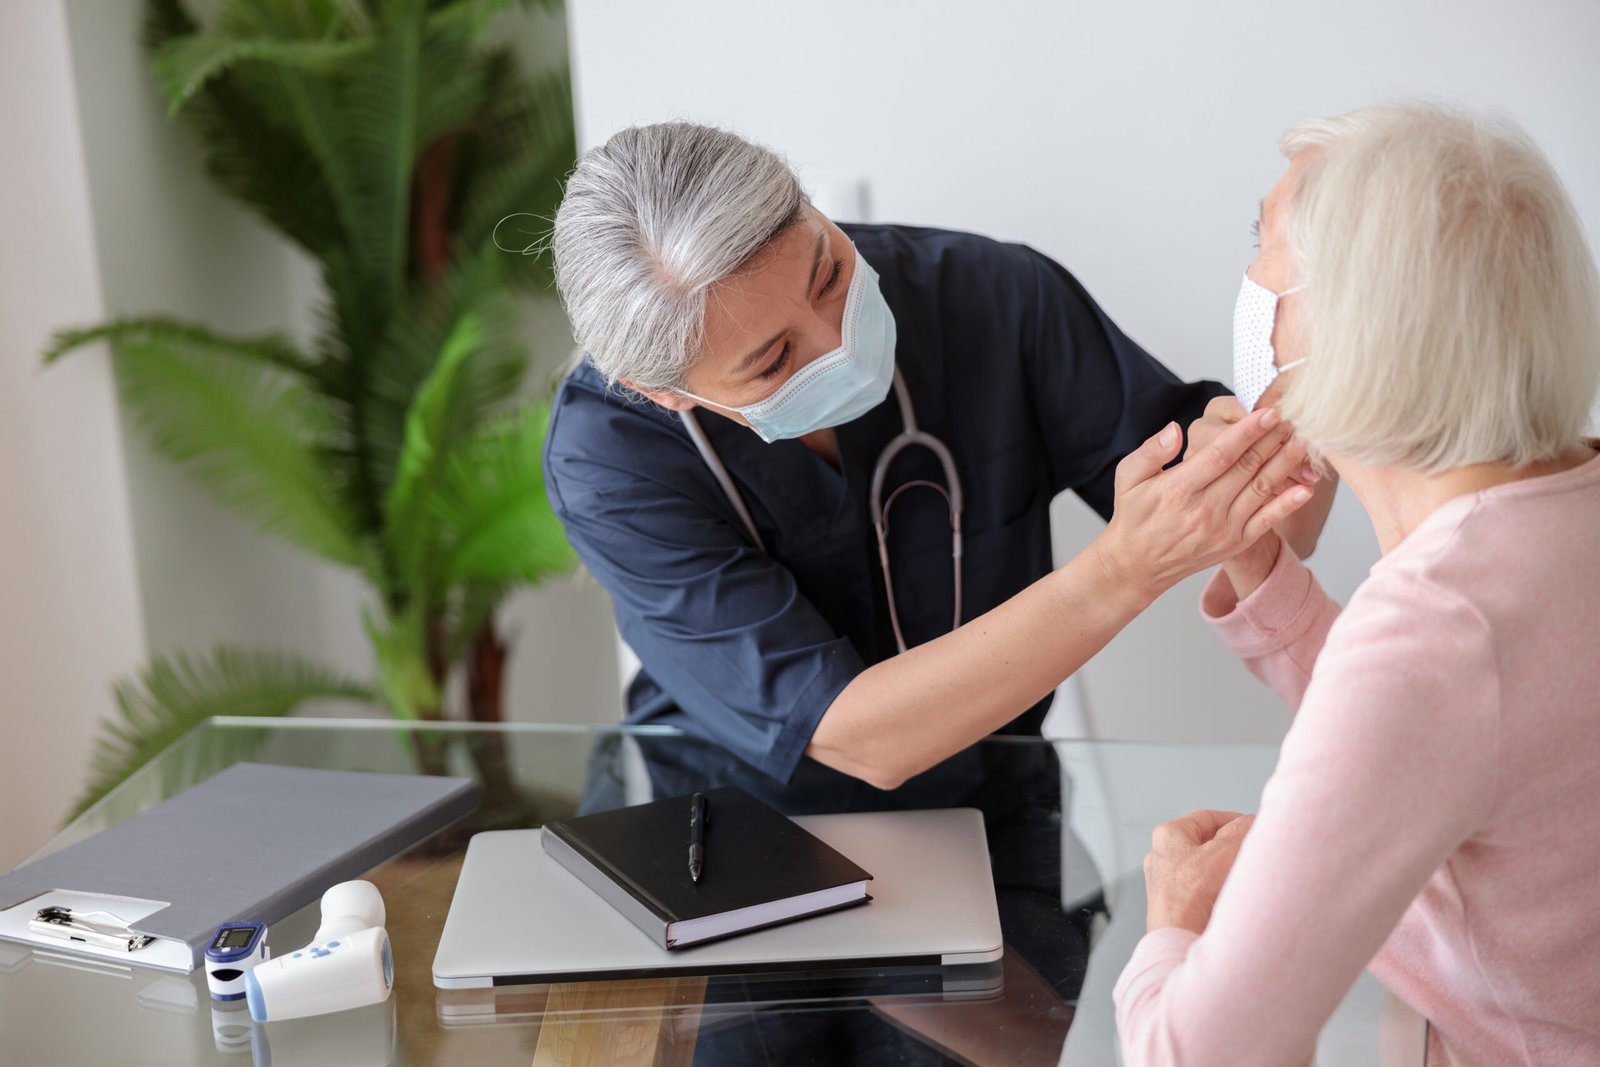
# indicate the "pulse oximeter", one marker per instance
pixel 235 949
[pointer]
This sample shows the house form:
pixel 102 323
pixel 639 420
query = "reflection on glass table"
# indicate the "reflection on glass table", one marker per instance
pixel 1068 823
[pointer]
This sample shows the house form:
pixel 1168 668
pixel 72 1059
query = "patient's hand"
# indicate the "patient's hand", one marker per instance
pixel 1189 860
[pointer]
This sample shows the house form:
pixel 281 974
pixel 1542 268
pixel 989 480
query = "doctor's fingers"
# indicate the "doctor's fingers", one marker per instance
pixel 1241 443
pixel 1146 461
pixel 1220 494
pixel 1271 478
pixel 1274 512
pixel 1220 413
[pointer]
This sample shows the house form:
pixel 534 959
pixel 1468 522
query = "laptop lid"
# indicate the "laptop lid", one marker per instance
pixel 520 917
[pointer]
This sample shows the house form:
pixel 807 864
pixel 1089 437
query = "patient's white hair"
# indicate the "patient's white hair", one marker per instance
pixel 651 220
pixel 1452 313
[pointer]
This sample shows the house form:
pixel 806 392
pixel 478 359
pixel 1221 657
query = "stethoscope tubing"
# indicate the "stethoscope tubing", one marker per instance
pixel 911 436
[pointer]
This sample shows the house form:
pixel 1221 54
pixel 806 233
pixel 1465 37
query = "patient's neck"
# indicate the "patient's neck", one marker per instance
pixel 1398 500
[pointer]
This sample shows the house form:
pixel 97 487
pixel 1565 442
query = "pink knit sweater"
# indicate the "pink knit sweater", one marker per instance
pixel 1435 811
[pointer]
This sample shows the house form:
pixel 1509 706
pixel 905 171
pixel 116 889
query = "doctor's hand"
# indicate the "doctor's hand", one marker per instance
pixel 1189 859
pixel 1302 530
pixel 1224 411
pixel 1168 524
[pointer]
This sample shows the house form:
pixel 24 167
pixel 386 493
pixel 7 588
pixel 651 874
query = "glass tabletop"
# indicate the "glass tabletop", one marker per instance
pixel 1068 824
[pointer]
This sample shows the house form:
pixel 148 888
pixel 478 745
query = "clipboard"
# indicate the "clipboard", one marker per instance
pixel 255 842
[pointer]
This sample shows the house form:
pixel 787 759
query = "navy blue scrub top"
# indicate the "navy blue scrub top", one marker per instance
pixel 1008 361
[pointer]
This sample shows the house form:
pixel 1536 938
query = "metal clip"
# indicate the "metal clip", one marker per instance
pixel 68 925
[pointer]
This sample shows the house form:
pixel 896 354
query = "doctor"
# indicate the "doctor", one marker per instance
pixel 812 464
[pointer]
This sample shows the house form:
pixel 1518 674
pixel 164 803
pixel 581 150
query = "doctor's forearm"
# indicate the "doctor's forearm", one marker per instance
pixel 904 715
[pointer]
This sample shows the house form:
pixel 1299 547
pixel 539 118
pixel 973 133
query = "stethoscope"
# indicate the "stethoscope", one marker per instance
pixel 909 437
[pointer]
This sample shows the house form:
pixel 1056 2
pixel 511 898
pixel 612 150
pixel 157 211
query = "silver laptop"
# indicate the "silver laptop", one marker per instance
pixel 519 917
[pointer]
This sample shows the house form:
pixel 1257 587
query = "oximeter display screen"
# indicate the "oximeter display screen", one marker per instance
pixel 238 937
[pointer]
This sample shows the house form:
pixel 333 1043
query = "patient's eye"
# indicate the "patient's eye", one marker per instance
pixel 1255 233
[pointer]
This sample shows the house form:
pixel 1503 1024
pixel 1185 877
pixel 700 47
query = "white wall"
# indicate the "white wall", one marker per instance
pixel 1128 140
pixel 69 605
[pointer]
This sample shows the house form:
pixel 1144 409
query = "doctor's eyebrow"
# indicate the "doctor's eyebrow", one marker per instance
pixel 816 264
pixel 816 260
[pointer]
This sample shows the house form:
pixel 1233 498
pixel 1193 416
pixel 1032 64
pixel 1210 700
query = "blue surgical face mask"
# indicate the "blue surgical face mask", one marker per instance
pixel 835 388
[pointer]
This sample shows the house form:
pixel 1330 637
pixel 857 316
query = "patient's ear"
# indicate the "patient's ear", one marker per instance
pixel 667 398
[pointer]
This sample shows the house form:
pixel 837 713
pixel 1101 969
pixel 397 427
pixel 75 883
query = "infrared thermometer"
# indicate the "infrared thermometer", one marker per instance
pixel 348 964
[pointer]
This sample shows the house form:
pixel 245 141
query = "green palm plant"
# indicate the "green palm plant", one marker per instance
pixel 387 139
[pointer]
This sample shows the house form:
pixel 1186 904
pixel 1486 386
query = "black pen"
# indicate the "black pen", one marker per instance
pixel 698 810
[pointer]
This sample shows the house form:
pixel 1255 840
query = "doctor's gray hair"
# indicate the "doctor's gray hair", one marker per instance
pixel 1451 314
pixel 651 220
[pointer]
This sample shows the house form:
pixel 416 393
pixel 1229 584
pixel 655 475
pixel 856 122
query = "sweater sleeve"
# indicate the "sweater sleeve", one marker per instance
pixel 1278 629
pixel 1403 716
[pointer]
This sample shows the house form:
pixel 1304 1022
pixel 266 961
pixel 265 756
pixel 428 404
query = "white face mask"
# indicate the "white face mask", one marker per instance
pixel 837 387
pixel 1254 315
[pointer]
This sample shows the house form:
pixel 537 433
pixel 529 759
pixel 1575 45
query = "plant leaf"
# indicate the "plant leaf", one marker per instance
pixel 400 642
pixel 303 104
pixel 426 438
pixel 271 349
pixel 249 432
pixel 176 693
pixel 473 606
pixel 184 65
pixel 381 108
pixel 496 523
pixel 525 147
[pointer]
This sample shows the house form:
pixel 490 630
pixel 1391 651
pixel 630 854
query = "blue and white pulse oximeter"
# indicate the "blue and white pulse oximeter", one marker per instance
pixel 235 949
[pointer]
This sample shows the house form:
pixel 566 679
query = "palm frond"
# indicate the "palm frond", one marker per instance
pixel 381 104
pixel 184 65
pixel 472 606
pixel 399 641
pixel 428 431
pixel 164 20
pixel 469 18
pixel 289 98
pixel 455 81
pixel 249 432
pixel 525 149
pixel 176 693
pixel 496 524
pixel 309 20
pixel 271 349
pixel 251 144
pixel 410 353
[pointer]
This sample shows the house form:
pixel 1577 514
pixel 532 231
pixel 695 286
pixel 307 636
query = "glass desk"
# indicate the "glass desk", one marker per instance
pixel 1070 883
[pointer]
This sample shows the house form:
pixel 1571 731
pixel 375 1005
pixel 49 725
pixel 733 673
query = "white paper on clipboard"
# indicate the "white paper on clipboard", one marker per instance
pixel 163 953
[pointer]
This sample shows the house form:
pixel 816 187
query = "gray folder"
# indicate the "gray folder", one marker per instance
pixel 255 842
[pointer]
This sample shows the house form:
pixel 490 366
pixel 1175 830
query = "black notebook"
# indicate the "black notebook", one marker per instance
pixel 760 869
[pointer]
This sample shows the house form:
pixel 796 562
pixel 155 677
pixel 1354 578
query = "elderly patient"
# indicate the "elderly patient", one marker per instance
pixel 1435 811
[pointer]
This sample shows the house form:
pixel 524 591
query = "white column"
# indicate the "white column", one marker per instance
pixel 70 618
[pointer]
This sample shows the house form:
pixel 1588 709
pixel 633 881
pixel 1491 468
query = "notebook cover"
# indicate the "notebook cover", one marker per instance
pixel 253 842
pixel 753 855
